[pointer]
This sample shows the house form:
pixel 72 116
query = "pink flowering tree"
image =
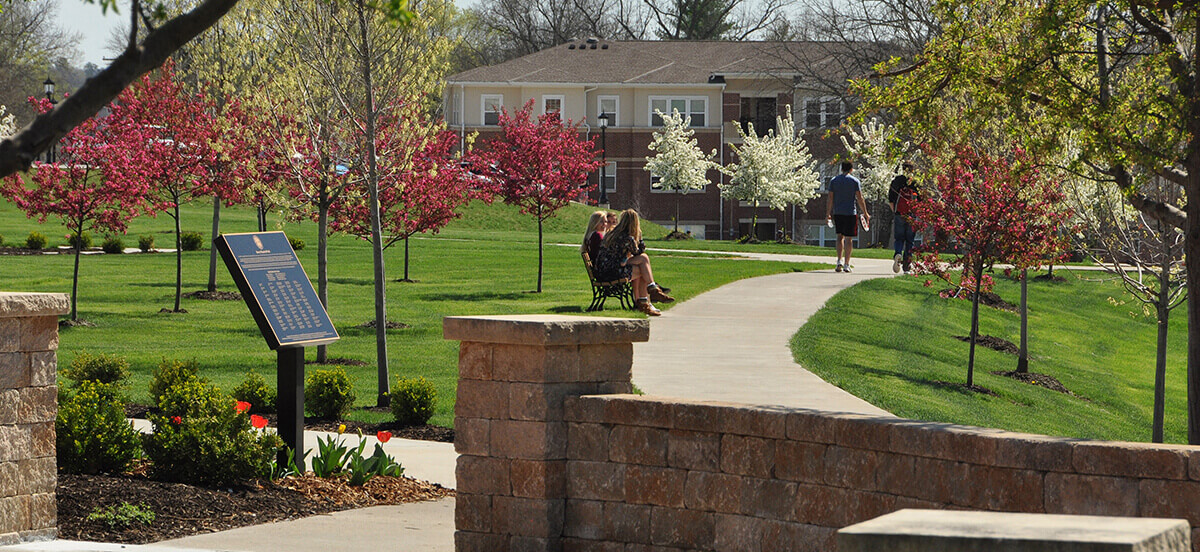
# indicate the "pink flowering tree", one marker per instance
pixel 992 209
pixel 538 165
pixel 79 190
pixel 166 134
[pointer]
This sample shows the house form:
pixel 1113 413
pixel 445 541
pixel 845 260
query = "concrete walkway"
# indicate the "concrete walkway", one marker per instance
pixel 729 344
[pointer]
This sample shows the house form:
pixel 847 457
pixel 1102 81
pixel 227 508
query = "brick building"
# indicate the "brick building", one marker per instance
pixel 718 84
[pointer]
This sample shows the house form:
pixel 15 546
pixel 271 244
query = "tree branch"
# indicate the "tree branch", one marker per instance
pixel 18 152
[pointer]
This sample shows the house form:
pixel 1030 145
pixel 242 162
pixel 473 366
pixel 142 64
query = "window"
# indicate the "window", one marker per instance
pixel 456 108
pixel 610 177
pixel 825 112
pixel 694 107
pixel 492 105
pixel 828 168
pixel 610 105
pixel 552 105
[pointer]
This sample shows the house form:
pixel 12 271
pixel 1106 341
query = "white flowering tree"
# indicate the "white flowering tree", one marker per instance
pixel 8 124
pixel 879 151
pixel 775 170
pixel 678 161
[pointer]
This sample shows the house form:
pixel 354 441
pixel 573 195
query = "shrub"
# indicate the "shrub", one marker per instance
pixel 1 240
pixel 171 373
pixel 123 515
pixel 328 393
pixel 297 243
pixel 79 241
pixel 146 243
pixel 200 437
pixel 102 368
pixel 91 434
pixel 413 400
pixel 254 390
pixel 191 241
pixel 35 240
pixel 113 245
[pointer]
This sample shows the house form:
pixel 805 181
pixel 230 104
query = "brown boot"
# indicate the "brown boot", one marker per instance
pixel 658 296
pixel 645 306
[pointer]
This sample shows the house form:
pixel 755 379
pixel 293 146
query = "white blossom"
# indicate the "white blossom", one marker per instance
pixel 679 162
pixel 8 124
pixel 775 169
pixel 879 151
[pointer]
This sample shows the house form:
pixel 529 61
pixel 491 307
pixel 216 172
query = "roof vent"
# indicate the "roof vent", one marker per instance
pixel 593 46
pixel 571 47
pixel 604 46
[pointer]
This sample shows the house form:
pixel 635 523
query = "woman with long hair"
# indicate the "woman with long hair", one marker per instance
pixel 622 255
pixel 596 226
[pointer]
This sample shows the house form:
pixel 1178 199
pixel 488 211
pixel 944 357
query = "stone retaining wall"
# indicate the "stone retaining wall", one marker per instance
pixel 550 463
pixel 28 405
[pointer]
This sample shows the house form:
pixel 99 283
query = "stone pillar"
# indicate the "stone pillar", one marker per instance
pixel 514 373
pixel 28 405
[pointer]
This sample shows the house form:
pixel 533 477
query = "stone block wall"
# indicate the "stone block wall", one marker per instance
pixel 28 405
pixel 562 465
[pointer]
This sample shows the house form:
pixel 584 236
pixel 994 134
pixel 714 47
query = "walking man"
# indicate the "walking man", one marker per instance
pixel 901 196
pixel 845 199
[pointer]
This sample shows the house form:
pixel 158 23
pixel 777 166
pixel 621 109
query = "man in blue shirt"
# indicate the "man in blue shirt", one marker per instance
pixel 845 199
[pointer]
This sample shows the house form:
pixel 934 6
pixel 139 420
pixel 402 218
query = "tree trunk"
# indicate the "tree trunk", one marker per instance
pixel 75 276
pixel 322 262
pixel 1160 358
pixel 754 225
pixel 1023 355
pixel 539 279
pixel 373 197
pixel 1192 260
pixel 974 323
pixel 212 257
pixel 262 219
pixel 406 260
pixel 178 257
pixel 677 212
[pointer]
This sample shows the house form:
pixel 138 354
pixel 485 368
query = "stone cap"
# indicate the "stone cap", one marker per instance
pixel 545 329
pixel 943 530
pixel 13 304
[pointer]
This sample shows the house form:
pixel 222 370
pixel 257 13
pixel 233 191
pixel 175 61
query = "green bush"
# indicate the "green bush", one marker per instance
pixel 123 515
pixel 91 434
pixel 413 400
pixel 191 241
pixel 170 373
pixel 254 390
pixel 35 240
pixel 79 241
pixel 199 437
pixel 1 240
pixel 146 243
pixel 113 245
pixel 328 393
pixel 297 243
pixel 102 368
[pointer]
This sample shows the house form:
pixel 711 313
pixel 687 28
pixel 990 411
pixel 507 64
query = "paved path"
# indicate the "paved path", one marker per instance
pixel 729 344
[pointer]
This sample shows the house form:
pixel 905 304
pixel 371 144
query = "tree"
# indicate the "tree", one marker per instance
pixel 678 161
pixel 8 124
pixel 167 135
pixel 31 43
pixel 995 209
pixel 77 190
pixel 878 150
pixel 775 169
pixel 539 166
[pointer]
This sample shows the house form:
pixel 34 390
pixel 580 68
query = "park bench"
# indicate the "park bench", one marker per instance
pixel 619 288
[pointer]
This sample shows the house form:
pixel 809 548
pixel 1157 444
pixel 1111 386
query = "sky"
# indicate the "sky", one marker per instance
pixel 86 19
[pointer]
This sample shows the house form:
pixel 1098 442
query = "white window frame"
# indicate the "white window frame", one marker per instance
pixel 483 102
pixel 613 117
pixel 655 189
pixel 824 115
pixel 668 99
pixel 456 107
pixel 562 104
pixel 610 175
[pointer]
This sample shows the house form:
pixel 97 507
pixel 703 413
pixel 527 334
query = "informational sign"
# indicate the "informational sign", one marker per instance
pixel 276 289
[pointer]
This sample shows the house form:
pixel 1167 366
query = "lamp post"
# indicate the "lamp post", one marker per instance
pixel 48 88
pixel 603 118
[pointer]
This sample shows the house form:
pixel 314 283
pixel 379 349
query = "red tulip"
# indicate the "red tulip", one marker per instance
pixel 258 421
pixel 384 436
pixel 176 420
pixel 242 407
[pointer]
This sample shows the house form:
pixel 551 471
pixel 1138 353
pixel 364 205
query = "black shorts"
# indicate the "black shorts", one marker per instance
pixel 845 225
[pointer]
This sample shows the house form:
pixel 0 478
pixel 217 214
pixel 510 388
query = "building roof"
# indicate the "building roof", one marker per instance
pixel 651 62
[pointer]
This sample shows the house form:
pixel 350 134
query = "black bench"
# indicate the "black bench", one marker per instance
pixel 620 288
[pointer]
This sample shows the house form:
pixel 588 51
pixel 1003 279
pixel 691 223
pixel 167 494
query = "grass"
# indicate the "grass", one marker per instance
pixel 889 341
pixel 483 264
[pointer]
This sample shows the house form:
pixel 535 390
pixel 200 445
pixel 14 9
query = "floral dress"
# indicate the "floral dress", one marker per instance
pixel 608 262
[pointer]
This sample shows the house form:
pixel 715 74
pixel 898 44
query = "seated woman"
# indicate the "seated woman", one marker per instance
pixel 597 225
pixel 621 257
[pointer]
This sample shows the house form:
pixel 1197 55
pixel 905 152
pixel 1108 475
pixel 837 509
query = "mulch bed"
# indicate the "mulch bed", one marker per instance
pixel 75 323
pixel 1042 380
pixel 206 295
pixel 391 325
pixel 183 510
pixel 421 433
pixel 965 387
pixel 992 342
pixel 987 299
pixel 337 361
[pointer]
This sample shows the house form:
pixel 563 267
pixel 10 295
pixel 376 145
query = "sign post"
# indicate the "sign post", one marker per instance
pixel 288 313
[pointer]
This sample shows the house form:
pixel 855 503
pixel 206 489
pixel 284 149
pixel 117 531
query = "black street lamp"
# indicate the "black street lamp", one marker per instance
pixel 48 88
pixel 603 118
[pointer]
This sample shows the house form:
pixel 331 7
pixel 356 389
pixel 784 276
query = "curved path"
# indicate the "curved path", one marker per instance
pixel 731 343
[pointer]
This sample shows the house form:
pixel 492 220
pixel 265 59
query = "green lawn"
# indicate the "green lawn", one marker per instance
pixel 890 342
pixel 484 264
